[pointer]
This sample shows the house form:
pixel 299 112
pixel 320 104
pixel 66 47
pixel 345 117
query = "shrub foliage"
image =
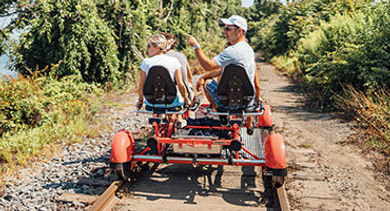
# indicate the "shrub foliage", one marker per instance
pixel 349 49
pixel 340 51
pixel 37 110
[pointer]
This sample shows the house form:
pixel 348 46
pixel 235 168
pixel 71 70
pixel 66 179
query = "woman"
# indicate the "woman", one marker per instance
pixel 156 47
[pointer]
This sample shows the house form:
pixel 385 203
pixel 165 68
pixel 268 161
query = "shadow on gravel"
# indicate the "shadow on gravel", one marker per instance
pixel 104 158
pixel 74 177
pixel 185 183
pixel 289 88
pixel 303 114
pixel 296 106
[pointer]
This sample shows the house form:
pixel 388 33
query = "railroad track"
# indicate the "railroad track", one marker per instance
pixel 282 198
pixel 109 199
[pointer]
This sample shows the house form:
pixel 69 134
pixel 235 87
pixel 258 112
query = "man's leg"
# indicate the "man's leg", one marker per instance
pixel 210 87
pixel 212 96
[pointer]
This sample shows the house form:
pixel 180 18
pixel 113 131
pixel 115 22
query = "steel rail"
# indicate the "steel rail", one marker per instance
pixel 107 200
pixel 282 197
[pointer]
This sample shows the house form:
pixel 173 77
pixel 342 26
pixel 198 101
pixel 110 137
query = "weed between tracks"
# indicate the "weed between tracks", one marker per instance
pixel 144 169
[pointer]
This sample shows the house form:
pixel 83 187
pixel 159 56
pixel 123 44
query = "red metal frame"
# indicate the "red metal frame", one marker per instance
pixel 163 135
pixel 274 147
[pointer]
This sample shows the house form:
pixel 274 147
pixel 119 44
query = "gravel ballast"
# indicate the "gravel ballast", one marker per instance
pixel 38 187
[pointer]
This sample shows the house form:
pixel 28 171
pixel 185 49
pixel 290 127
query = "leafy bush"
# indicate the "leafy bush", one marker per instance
pixel 35 111
pixel 263 35
pixel 298 19
pixel 349 49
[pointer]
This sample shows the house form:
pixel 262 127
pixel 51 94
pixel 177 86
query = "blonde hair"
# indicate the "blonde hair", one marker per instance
pixel 159 40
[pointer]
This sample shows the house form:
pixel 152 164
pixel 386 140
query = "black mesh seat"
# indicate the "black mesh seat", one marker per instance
pixel 159 88
pixel 235 91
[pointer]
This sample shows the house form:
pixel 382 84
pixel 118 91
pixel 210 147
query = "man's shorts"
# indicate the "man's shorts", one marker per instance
pixel 211 89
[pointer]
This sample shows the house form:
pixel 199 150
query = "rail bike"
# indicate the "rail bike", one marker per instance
pixel 238 134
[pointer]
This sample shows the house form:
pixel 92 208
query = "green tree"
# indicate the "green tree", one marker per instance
pixel 127 21
pixel 5 11
pixel 71 35
pixel 298 19
pixel 105 40
pixel 261 16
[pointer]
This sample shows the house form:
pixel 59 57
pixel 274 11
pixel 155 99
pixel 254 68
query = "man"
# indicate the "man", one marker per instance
pixel 239 52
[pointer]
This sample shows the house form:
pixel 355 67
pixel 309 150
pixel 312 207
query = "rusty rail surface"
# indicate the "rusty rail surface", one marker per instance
pixel 107 200
pixel 282 197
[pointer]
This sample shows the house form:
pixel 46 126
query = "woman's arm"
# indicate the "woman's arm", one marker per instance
pixel 189 74
pixel 140 91
pixel 257 85
pixel 182 87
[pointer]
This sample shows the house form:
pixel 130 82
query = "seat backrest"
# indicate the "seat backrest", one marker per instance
pixel 159 87
pixel 235 89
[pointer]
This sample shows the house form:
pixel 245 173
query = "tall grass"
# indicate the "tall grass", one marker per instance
pixel 372 112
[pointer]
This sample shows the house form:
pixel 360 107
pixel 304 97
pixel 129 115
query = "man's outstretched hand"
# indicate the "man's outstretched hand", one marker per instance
pixel 191 40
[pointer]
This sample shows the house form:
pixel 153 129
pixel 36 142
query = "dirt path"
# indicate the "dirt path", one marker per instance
pixel 324 174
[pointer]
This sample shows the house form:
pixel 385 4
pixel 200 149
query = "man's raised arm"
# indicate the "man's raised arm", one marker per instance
pixel 204 61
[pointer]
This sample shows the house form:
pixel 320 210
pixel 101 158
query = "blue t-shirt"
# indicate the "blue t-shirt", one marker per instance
pixel 241 54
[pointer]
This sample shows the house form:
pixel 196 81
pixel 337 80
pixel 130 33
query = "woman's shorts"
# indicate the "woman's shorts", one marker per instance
pixel 178 102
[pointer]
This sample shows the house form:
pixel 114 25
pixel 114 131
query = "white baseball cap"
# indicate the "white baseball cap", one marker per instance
pixel 235 20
